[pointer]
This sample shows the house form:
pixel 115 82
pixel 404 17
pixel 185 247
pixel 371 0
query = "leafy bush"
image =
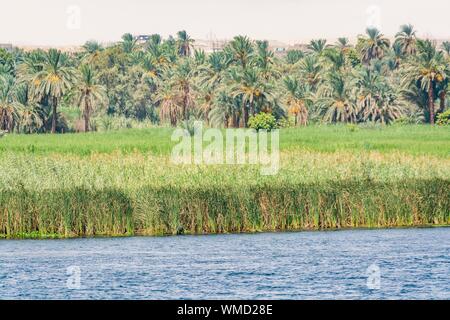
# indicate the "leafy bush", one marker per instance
pixel 262 121
pixel 443 118
pixel 286 122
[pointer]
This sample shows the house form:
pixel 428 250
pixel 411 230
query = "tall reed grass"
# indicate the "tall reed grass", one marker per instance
pixel 138 193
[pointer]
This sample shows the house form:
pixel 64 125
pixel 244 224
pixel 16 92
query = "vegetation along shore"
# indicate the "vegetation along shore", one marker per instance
pixel 85 137
pixel 330 177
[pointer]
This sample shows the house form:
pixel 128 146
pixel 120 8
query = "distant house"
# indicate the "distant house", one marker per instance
pixel 6 46
pixel 142 38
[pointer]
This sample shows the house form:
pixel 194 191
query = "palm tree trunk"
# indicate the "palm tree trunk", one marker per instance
pixel 252 108
pixel 442 97
pixel 2 120
pixel 54 108
pixel 234 120
pixel 86 115
pixel 244 116
pixel 185 103
pixel 431 102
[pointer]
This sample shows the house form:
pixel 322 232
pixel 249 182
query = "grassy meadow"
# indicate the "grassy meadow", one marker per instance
pixel 123 183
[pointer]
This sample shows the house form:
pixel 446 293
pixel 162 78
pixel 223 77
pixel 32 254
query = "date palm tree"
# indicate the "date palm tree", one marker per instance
pixel 184 43
pixel 88 93
pixel 336 58
pixel 241 49
pixel 168 100
pixel 428 70
pixel 343 44
pixel 294 56
pixel 183 82
pixel 264 59
pixel 211 75
pixel 396 54
pixel 377 100
pixel 129 43
pixel 9 109
pixel 336 103
pixel 297 99
pixel 317 46
pixel 311 71
pixel 54 80
pixel 446 47
pixel 250 86
pixel 31 114
pixel 225 109
pixel 373 45
pixel 406 38
pixel 91 51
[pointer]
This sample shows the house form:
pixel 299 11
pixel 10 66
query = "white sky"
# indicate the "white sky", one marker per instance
pixel 57 22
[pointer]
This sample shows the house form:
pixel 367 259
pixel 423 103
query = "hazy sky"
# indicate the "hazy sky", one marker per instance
pixel 66 22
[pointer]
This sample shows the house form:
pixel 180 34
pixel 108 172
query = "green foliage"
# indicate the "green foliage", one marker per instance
pixel 166 81
pixel 443 118
pixel 262 121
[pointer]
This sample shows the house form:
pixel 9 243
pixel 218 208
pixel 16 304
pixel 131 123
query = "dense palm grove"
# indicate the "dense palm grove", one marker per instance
pixel 169 82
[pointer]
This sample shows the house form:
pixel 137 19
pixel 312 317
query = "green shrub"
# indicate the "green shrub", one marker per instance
pixel 286 122
pixel 262 121
pixel 443 118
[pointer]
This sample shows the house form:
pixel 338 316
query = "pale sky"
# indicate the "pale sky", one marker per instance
pixel 72 22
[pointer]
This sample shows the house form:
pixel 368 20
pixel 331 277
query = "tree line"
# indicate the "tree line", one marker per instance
pixel 168 81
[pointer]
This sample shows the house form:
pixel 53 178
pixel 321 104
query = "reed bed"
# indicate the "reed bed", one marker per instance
pixel 136 193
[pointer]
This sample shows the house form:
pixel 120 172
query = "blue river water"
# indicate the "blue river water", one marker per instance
pixel 350 264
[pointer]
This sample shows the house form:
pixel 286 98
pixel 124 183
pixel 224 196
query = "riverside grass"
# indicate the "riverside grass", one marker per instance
pixel 330 177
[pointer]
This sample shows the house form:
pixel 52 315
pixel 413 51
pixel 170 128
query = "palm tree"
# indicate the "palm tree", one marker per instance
pixel 211 75
pixel 446 47
pixel 428 70
pixel 317 46
pixel 343 44
pixel 373 46
pixel 252 90
pixel 225 109
pixel 91 51
pixel 31 115
pixel 335 102
pixel 294 56
pixel 129 43
pixel 89 94
pixel 182 81
pixel 9 109
pixel 311 71
pixel 168 100
pixel 377 100
pixel 395 56
pixel 296 99
pixel 184 43
pixel 241 49
pixel 264 59
pixel 335 57
pixel 407 39
pixel 54 80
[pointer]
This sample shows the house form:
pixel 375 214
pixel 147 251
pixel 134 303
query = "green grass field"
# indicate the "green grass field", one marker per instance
pixel 123 183
pixel 414 140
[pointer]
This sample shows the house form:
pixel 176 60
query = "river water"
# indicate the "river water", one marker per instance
pixel 351 264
